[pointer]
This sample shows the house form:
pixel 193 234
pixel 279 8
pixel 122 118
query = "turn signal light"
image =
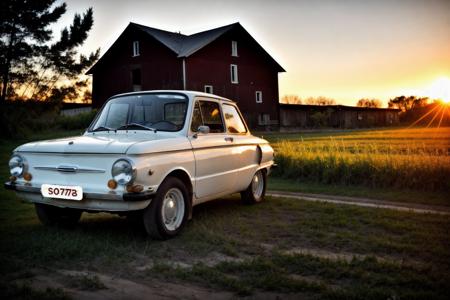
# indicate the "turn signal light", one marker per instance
pixel 136 188
pixel 12 178
pixel 27 176
pixel 112 184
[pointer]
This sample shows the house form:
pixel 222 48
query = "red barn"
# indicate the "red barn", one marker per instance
pixel 226 61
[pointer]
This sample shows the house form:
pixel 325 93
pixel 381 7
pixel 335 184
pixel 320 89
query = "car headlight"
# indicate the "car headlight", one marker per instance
pixel 123 171
pixel 17 165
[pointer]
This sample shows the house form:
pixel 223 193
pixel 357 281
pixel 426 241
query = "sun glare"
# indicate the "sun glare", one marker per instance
pixel 440 89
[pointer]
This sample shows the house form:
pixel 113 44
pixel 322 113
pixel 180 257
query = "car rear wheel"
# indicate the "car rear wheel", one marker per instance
pixel 167 213
pixel 256 191
pixel 52 215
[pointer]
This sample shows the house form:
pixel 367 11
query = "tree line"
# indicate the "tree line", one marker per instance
pixel 404 103
pixel 321 100
pixel 33 64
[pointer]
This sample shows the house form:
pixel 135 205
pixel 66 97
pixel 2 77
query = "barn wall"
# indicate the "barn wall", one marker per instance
pixel 256 72
pixel 160 67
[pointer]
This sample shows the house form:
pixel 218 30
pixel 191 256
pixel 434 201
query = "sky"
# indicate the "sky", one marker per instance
pixel 343 49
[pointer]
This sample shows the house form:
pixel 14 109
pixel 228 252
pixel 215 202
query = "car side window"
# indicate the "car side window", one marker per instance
pixel 233 119
pixel 196 117
pixel 207 113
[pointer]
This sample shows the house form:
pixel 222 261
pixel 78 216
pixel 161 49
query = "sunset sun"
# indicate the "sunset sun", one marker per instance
pixel 440 89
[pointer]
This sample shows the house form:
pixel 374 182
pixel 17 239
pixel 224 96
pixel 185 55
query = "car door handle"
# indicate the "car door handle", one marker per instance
pixel 229 139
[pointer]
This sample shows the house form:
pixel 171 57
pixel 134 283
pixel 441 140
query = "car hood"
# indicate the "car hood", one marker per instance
pixel 98 143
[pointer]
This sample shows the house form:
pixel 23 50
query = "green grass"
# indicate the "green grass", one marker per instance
pixel 26 292
pixel 390 159
pixel 413 247
pixel 366 278
pixel 383 194
pixel 287 247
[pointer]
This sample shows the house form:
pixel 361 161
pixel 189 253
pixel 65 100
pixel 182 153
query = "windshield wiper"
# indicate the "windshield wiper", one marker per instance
pixel 102 128
pixel 135 125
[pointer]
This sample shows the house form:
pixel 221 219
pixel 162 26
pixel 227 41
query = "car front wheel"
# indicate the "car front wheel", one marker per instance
pixel 167 213
pixel 256 191
pixel 52 215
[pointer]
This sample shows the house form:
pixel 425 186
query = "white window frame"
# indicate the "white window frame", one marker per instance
pixel 136 48
pixel 258 97
pixel 210 87
pixel 234 49
pixel 234 73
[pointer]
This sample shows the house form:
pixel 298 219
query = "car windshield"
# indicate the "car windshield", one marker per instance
pixel 165 112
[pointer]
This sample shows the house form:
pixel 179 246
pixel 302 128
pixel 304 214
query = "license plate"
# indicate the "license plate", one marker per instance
pixel 62 192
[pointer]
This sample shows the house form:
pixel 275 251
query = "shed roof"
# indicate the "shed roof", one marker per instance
pixel 186 45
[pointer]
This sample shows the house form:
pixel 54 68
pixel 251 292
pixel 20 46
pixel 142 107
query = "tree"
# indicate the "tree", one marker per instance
pixel 291 99
pixel 29 63
pixel 321 100
pixel 407 103
pixel 365 102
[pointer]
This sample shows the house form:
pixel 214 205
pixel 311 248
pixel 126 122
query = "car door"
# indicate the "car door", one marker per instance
pixel 245 150
pixel 214 168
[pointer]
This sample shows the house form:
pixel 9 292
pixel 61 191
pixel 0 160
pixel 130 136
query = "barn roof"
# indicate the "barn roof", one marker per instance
pixel 186 45
pixel 195 42
pixel 171 40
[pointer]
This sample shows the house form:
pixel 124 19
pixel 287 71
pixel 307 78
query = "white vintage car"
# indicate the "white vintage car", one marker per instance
pixel 152 154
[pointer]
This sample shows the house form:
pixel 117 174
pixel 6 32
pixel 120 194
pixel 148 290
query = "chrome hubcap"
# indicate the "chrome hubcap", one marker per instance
pixel 173 209
pixel 258 185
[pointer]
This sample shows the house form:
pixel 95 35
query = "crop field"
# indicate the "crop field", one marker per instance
pixel 280 249
pixel 413 159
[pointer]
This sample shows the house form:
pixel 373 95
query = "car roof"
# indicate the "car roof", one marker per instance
pixel 190 94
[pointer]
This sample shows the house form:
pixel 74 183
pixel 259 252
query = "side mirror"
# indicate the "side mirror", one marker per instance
pixel 203 129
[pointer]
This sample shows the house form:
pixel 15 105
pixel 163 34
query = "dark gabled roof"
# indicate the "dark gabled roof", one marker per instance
pixel 186 45
pixel 195 42
pixel 171 40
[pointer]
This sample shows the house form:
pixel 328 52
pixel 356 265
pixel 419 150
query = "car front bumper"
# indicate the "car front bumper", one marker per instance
pixel 110 201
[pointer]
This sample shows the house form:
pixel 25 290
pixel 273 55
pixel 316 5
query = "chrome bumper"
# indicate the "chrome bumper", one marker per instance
pixel 91 201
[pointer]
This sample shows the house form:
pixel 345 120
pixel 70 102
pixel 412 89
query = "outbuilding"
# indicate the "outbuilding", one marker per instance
pixel 295 116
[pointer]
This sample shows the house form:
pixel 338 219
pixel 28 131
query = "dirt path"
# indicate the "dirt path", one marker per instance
pixel 107 286
pixel 366 202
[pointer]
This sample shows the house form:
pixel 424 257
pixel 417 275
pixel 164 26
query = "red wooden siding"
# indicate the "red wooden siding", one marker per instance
pixel 211 66
pixel 160 68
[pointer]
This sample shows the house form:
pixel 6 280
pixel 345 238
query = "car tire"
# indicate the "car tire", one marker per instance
pixel 51 215
pixel 168 211
pixel 256 190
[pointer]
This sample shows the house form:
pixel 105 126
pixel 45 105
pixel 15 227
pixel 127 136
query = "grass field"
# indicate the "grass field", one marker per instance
pixel 442 198
pixel 391 159
pixel 280 248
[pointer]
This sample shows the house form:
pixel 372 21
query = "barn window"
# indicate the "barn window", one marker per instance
pixel 258 96
pixel 234 73
pixel 136 79
pixel 234 48
pixel 136 48
pixel 208 89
